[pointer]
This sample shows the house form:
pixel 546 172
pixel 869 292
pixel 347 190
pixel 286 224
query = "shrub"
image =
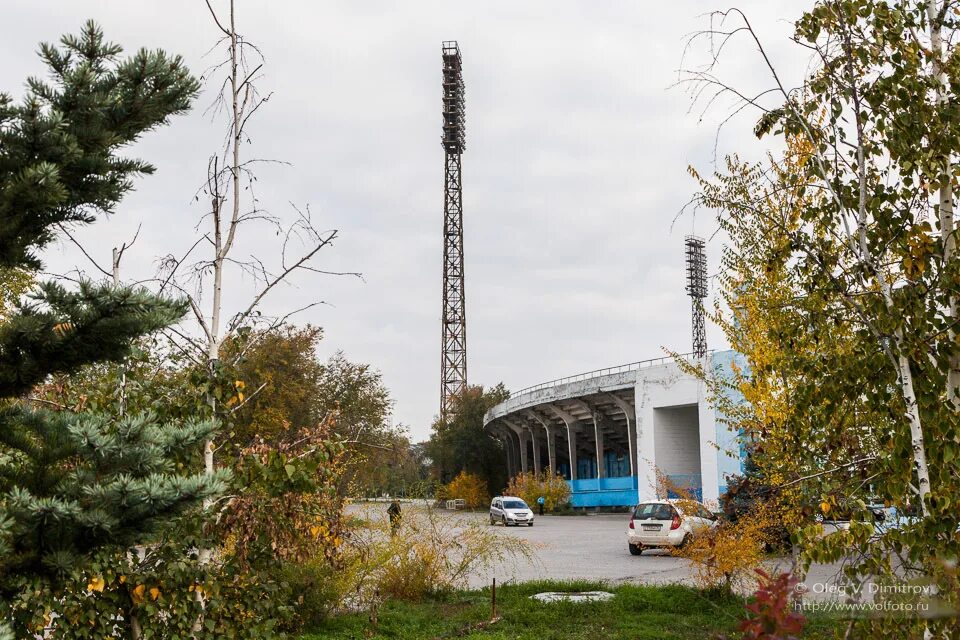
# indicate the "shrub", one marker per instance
pixel 286 521
pixel 726 556
pixel 530 486
pixel 315 588
pixel 152 594
pixel 745 492
pixel 470 488
pixel 432 553
pixel 769 615
pixel 287 506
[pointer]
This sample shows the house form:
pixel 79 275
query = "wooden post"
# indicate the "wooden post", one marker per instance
pixel 493 600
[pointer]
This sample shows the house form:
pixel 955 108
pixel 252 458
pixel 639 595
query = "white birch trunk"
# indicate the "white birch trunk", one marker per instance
pixel 916 431
pixel 945 197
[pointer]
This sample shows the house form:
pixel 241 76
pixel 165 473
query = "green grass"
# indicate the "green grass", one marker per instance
pixel 637 613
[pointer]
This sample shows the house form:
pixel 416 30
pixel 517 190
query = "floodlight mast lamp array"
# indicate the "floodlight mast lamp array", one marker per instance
pixel 697 290
pixel 453 356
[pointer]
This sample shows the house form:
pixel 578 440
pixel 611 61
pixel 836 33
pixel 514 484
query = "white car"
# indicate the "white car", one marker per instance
pixel 666 523
pixel 510 510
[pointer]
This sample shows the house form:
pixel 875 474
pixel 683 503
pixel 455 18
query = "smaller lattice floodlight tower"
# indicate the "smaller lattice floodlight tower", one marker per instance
pixel 697 290
pixel 453 356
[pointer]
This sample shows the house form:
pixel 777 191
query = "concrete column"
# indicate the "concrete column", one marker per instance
pixel 523 435
pixel 631 417
pixel 506 451
pixel 598 431
pixel 552 449
pixel 551 439
pixel 597 434
pixel 646 467
pixel 707 429
pixel 511 454
pixel 572 446
pixel 502 435
pixel 536 450
pixel 571 424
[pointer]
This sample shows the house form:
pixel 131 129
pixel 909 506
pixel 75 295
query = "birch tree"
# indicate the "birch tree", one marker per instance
pixel 875 247
pixel 211 268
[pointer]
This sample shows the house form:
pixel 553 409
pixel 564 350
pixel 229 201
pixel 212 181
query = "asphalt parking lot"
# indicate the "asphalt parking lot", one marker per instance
pixel 592 547
pixel 589 547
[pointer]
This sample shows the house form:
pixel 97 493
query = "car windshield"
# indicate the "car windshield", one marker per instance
pixel 653 511
pixel 514 504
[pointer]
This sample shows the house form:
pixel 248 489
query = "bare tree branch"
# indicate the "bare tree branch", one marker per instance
pixel 69 235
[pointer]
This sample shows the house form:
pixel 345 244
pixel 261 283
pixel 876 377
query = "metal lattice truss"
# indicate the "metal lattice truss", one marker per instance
pixel 697 290
pixel 453 357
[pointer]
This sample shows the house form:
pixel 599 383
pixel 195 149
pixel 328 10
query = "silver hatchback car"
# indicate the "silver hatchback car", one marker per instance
pixel 509 510
pixel 666 523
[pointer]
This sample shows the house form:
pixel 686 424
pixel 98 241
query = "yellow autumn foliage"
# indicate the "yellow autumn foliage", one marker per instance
pixel 14 283
pixel 530 486
pixel 96 583
pixel 470 488
pixel 727 556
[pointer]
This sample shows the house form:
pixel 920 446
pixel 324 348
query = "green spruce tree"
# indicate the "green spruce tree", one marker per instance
pixel 74 483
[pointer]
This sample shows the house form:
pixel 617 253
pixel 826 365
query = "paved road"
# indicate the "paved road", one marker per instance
pixel 571 547
pixel 590 547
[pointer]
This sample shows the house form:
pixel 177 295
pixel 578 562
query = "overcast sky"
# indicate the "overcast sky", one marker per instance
pixel 575 168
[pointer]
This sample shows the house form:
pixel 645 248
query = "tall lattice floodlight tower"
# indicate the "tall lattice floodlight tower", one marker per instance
pixel 453 357
pixel 697 290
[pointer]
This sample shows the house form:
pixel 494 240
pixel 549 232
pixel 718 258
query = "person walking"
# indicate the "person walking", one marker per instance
pixel 394 512
pixel 540 503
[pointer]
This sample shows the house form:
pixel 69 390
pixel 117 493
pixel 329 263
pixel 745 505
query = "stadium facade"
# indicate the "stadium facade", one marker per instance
pixel 610 432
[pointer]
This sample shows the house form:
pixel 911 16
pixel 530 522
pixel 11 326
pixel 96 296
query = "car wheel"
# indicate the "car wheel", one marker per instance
pixel 635 550
pixel 492 521
pixel 684 541
pixel 505 521
pixel 530 524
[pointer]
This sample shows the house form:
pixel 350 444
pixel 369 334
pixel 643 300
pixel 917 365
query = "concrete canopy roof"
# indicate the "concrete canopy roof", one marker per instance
pixel 607 394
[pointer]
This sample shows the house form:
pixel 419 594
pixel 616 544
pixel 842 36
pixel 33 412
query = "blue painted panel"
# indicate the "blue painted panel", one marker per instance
pixel 604 492
pixel 619 484
pixel 618 466
pixel 582 485
pixel 586 468
pixel 604 499
pixel 692 483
